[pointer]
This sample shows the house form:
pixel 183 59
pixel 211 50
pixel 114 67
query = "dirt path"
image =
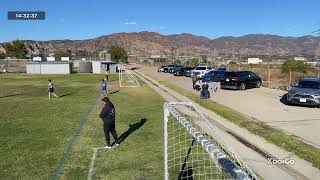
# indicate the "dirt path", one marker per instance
pixel 262 104
pixel 252 157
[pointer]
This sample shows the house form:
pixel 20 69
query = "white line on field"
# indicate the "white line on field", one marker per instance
pixel 93 158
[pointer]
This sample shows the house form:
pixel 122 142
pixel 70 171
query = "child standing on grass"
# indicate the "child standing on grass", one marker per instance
pixel 51 89
pixel 107 75
pixel 104 87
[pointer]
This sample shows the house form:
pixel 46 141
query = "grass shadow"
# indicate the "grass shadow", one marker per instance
pixel 131 129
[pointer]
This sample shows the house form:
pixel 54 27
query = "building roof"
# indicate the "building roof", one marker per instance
pixel 48 62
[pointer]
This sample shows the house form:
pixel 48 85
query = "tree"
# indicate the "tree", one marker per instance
pixel 118 53
pixel 59 54
pixel 192 62
pixel 294 66
pixel 16 49
pixel 178 62
pixel 2 55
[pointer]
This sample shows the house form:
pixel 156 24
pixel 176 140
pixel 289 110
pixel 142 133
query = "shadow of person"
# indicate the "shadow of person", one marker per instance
pixel 67 94
pixel 132 128
pixel 114 92
pixel 11 95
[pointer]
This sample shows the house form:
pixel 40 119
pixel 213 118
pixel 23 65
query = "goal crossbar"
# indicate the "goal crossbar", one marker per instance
pixel 233 166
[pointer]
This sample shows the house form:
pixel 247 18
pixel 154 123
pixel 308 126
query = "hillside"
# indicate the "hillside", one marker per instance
pixel 151 43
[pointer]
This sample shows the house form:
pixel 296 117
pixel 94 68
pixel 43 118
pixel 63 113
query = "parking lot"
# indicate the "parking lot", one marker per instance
pixel 262 104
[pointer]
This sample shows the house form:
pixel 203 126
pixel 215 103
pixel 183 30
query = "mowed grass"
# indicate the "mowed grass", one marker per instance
pixel 139 119
pixel 36 131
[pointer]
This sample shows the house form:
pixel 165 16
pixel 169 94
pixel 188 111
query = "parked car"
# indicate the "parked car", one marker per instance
pixel 180 71
pixel 240 80
pixel 167 68
pixel 305 92
pixel 174 68
pixel 161 69
pixel 188 71
pixel 214 75
pixel 200 71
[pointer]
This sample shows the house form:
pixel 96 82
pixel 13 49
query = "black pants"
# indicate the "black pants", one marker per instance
pixel 110 128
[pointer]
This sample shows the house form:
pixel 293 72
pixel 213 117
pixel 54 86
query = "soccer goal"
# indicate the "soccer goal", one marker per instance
pixel 126 78
pixel 195 149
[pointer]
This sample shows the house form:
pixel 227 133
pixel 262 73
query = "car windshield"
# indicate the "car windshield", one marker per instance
pixel 230 74
pixel 308 84
pixel 201 68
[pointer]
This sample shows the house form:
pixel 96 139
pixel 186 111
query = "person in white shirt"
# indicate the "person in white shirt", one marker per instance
pixel 51 89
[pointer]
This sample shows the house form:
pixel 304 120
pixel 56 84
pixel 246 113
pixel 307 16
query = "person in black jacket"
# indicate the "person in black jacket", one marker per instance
pixel 205 91
pixel 108 115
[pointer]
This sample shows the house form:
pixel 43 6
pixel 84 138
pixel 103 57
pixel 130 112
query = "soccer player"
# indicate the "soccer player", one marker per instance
pixel 104 87
pixel 51 89
pixel 108 116
pixel 107 75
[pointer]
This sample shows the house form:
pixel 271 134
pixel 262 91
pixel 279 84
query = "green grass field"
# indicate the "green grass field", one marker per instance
pixel 35 131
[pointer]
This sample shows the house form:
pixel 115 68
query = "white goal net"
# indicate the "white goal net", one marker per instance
pixel 126 78
pixel 194 149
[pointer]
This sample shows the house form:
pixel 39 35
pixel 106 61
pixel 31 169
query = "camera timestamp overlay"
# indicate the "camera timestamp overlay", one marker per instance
pixel 26 15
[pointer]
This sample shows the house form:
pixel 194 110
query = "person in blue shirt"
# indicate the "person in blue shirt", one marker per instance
pixel 104 87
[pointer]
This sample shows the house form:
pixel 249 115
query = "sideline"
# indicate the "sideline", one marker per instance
pixel 93 158
pixel 57 170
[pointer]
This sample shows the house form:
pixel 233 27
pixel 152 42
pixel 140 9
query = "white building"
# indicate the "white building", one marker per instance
pixel 65 59
pixel 51 58
pixel 254 60
pixel 100 67
pixel 300 59
pixel 48 67
pixel 37 58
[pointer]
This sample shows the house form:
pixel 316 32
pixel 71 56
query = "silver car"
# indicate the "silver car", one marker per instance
pixel 305 92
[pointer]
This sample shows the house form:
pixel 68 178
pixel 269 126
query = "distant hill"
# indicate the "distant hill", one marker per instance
pixel 151 43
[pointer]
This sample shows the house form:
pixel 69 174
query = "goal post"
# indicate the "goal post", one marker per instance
pixel 189 152
pixel 126 78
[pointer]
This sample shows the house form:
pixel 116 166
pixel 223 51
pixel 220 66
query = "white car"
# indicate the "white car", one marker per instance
pixel 200 71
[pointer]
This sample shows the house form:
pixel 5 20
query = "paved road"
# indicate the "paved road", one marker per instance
pixel 262 104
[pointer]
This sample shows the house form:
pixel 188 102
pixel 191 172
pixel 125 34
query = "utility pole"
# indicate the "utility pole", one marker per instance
pixel 269 73
pixel 318 59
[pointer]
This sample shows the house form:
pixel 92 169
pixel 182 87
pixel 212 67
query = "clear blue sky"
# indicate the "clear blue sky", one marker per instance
pixel 83 19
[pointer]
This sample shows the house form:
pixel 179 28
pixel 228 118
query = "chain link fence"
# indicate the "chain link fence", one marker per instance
pixel 13 66
pixel 278 78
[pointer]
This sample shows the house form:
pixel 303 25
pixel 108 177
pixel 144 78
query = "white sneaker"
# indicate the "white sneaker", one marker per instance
pixel 117 144
pixel 107 147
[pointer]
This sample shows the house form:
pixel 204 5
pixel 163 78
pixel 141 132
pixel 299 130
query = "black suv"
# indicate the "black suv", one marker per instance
pixel 240 80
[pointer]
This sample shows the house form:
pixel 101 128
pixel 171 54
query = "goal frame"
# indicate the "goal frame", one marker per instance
pixel 235 167
pixel 123 68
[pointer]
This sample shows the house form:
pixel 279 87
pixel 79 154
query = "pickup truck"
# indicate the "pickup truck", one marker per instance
pixel 200 71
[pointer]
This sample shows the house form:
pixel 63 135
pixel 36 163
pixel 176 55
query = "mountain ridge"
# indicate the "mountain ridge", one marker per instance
pixel 147 43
